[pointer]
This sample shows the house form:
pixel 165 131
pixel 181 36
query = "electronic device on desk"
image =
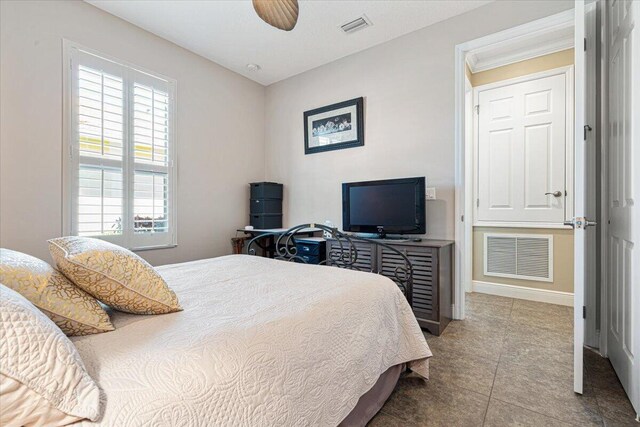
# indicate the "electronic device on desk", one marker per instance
pixel 392 206
pixel 311 250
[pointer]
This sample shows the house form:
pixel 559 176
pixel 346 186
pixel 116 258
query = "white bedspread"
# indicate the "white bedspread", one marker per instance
pixel 259 343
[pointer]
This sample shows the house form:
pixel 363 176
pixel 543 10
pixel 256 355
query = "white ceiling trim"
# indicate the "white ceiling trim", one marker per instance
pixel 534 52
pixel 545 38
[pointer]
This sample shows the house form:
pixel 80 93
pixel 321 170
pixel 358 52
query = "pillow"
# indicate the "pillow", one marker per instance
pixel 72 309
pixel 42 378
pixel 113 275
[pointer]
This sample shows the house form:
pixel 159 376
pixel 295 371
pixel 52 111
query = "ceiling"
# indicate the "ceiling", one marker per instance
pixel 232 35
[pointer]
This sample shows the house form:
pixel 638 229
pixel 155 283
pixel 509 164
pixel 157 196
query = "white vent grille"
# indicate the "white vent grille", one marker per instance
pixel 356 24
pixel 519 256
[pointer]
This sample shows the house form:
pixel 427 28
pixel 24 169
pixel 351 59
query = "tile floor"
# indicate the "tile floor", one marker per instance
pixel 510 363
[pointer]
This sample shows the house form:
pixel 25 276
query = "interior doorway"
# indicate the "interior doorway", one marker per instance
pixel 522 182
pixel 597 205
pixel 515 185
pixel 514 189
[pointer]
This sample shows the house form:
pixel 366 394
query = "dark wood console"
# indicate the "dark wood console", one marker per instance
pixel 432 285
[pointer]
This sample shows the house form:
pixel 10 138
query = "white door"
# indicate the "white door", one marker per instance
pixel 593 258
pixel 580 199
pixel 522 150
pixel 623 334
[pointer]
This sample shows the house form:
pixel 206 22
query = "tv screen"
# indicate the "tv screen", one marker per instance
pixel 395 206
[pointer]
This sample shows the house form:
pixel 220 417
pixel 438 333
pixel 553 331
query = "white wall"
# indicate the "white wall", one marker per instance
pixel 220 127
pixel 408 85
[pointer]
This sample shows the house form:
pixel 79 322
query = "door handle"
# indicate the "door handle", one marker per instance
pixel 557 193
pixel 580 223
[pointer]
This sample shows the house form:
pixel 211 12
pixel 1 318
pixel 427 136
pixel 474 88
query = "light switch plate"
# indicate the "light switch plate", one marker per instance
pixel 431 193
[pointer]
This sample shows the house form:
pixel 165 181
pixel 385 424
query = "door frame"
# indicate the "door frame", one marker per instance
pixel 592 336
pixel 464 158
pixel 579 235
pixel 567 72
pixel 603 123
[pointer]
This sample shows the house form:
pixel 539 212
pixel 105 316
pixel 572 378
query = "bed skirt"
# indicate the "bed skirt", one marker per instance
pixel 372 401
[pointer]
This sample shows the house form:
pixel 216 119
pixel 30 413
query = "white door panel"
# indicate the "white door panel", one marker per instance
pixel 538 170
pixel 624 179
pixel 521 151
pixel 500 161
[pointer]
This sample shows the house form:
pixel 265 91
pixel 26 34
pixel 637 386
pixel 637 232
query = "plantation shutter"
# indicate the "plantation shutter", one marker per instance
pixel 121 153
pixel 151 160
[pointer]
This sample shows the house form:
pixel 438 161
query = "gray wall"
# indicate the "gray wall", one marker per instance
pixel 408 85
pixel 220 127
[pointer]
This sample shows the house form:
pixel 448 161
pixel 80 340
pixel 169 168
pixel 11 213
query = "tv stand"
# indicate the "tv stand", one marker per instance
pixel 391 239
pixel 432 285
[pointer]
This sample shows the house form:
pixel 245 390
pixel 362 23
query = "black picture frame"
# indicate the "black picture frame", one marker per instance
pixel 345 118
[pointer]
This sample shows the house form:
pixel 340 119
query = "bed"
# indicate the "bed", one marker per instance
pixel 260 342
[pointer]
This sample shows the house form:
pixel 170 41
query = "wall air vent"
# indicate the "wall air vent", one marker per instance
pixel 519 256
pixel 356 24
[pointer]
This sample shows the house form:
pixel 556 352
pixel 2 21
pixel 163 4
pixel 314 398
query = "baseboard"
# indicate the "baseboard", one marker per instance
pixel 521 292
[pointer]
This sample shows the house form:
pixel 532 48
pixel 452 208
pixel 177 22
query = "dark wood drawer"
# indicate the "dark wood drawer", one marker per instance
pixel 308 249
pixel 311 249
pixel 309 259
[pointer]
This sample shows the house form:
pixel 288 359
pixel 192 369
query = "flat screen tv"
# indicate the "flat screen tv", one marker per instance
pixel 392 206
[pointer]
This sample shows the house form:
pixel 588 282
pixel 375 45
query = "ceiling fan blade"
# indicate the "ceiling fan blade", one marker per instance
pixel 282 14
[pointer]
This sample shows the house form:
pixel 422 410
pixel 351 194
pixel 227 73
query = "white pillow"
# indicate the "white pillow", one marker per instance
pixel 42 378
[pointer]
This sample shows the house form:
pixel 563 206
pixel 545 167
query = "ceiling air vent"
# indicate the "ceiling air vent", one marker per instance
pixel 356 24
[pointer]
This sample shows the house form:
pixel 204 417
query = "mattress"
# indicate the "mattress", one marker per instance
pixel 260 342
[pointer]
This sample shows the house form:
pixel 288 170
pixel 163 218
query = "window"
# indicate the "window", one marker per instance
pixel 121 152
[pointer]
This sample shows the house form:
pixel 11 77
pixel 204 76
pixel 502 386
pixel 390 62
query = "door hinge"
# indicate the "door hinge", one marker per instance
pixel 585 44
pixel 587 128
pixel 462 218
pixel 477 203
pixel 477 108
pixel 584 312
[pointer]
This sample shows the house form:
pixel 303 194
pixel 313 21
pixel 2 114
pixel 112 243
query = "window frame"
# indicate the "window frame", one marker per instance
pixel 71 156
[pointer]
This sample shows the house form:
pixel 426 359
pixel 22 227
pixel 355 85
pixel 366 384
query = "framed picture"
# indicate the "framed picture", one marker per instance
pixel 334 127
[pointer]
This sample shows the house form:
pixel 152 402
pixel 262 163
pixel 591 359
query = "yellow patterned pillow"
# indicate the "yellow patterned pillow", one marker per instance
pixel 72 309
pixel 114 275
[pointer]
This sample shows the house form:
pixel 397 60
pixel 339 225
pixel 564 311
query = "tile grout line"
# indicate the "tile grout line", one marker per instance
pixel 528 409
pixel 535 412
pixel 518 319
pixel 495 374
pixel 595 391
pixel 382 411
pixel 599 391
